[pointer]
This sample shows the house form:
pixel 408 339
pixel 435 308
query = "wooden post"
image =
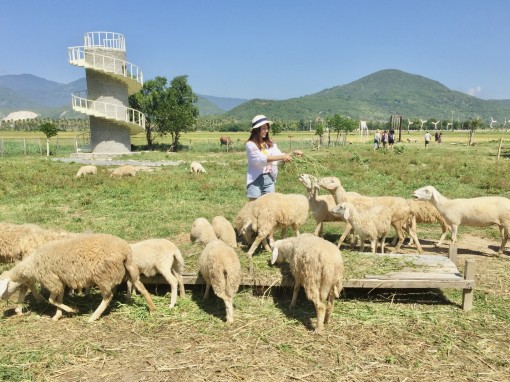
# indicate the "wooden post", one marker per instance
pixel 290 142
pixel 452 252
pixel 2 146
pixel 468 294
pixel 25 146
pixel 499 149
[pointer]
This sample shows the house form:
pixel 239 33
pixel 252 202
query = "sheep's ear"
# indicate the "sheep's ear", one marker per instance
pixel 4 284
pixel 275 255
pixel 347 214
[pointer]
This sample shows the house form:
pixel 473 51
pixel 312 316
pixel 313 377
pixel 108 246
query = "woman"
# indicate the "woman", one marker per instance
pixel 263 156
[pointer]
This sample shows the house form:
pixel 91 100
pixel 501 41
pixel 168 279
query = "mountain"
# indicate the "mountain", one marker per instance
pixel 223 103
pixel 377 97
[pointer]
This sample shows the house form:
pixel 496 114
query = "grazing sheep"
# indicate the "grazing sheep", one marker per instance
pixel 221 269
pixel 225 140
pixel 196 168
pixel 161 256
pixel 86 170
pixel 127 170
pixel 274 210
pixel 79 262
pixel 320 205
pixel 202 231
pixel 372 223
pixel 224 230
pixel 242 224
pixel 475 212
pixel 426 212
pixel 401 211
pixel 317 265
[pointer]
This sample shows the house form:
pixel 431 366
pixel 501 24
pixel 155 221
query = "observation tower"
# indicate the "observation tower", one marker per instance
pixel 110 81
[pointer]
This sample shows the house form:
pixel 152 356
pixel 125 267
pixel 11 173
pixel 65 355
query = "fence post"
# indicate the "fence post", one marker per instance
pixel 499 149
pixel 2 146
pixel 25 146
pixel 40 147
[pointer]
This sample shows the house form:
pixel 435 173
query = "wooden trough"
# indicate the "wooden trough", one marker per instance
pixel 427 272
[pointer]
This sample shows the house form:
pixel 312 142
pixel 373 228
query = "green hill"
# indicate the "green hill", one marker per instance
pixel 376 97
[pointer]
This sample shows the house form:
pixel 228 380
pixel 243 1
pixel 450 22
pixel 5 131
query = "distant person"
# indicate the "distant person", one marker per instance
pixel 377 140
pixel 436 137
pixel 384 139
pixel 263 157
pixel 439 138
pixel 391 139
pixel 427 139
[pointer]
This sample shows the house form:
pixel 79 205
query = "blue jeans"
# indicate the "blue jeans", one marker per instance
pixel 264 184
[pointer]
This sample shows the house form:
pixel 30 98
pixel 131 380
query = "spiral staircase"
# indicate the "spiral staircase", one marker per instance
pixel 110 81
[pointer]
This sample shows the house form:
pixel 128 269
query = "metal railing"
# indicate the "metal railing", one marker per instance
pixel 108 110
pixel 79 56
pixel 108 40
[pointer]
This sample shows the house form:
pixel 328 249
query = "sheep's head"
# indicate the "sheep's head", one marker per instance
pixel 330 183
pixel 424 193
pixel 307 180
pixel 341 210
pixel 282 250
pixel 7 286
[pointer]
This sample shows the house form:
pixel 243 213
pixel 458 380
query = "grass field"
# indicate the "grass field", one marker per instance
pixel 379 335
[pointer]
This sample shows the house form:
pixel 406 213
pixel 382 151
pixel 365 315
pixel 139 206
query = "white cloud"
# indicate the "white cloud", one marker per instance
pixel 474 91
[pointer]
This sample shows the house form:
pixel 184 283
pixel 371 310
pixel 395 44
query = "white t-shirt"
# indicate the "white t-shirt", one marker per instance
pixel 257 161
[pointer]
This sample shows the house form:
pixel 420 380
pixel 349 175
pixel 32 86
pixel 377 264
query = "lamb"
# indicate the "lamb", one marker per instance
pixel 196 168
pixel 86 170
pixel 275 210
pixel 127 170
pixel 401 211
pixel 79 262
pixel 320 205
pixel 316 264
pixel 161 256
pixel 482 211
pixel 221 269
pixel 425 212
pixel 202 231
pixel 372 223
pixel 224 230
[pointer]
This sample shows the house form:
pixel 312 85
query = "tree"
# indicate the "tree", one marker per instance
pixel 339 123
pixel 276 128
pixel 473 125
pixel 50 130
pixel 167 109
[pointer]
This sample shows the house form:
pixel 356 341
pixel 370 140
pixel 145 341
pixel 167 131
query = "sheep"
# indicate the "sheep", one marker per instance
pixel 224 230
pixel 196 168
pixel 320 205
pixel 475 212
pixel 127 170
pixel 79 262
pixel 221 269
pixel 86 170
pixel 425 212
pixel 202 231
pixel 316 264
pixel 372 223
pixel 276 210
pixel 401 211
pixel 161 256
pixel 242 224
pixel 225 140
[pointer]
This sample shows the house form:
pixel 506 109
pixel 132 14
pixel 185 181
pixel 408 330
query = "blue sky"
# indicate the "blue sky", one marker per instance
pixel 268 48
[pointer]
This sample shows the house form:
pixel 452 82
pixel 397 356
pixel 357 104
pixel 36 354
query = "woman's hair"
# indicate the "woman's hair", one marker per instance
pixel 256 138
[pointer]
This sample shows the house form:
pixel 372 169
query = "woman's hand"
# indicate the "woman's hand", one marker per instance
pixel 286 158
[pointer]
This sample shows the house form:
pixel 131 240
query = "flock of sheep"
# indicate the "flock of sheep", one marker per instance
pixel 58 259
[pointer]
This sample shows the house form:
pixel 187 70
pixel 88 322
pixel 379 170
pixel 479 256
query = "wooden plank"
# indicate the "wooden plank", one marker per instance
pixel 468 294
pixel 416 276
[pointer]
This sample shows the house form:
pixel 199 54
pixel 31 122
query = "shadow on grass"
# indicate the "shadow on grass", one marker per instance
pixel 212 305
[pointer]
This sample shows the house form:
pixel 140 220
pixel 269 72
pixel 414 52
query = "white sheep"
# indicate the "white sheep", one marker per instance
pixel 127 170
pixel 482 211
pixel 86 170
pixel 202 231
pixel 320 205
pixel 276 210
pixel 316 264
pixel 401 211
pixel 224 230
pixel 371 224
pixel 221 269
pixel 79 262
pixel 196 167
pixel 161 256
pixel 425 212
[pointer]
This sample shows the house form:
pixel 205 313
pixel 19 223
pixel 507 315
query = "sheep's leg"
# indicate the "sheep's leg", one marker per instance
pixel 267 246
pixel 344 234
pixel 172 280
pixel 445 231
pixel 295 292
pixel 129 290
pixel 107 297
pixel 321 315
pixel 362 245
pixel 373 245
pixel 504 239
pixel 252 249
pixel 57 300
pixel 318 230
pixel 329 307
pixel 454 233
pixel 140 288
pixel 182 291
pixel 412 233
pixel 383 243
pixel 23 289
pixel 229 307
pixel 35 292
pixel 398 229
pixel 207 289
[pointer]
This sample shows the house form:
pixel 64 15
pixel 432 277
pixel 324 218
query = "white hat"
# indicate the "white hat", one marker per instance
pixel 259 120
